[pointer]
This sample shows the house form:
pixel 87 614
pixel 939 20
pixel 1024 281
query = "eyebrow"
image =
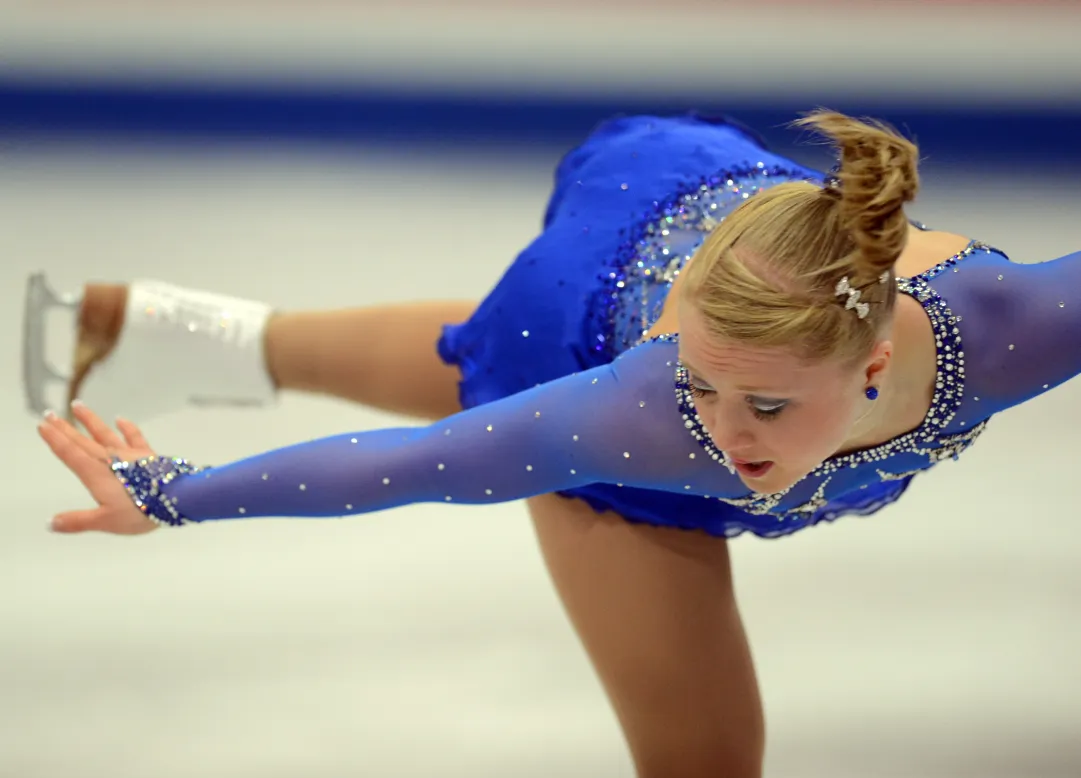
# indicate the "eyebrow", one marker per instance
pixel 759 392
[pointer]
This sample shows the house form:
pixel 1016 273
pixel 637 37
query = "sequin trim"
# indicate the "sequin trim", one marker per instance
pixel 636 282
pixel 143 480
pixel 953 261
pixel 925 440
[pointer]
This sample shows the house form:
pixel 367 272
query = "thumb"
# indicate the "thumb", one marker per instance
pixel 77 521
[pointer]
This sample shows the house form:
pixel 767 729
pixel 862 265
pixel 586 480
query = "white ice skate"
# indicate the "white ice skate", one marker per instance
pixel 178 347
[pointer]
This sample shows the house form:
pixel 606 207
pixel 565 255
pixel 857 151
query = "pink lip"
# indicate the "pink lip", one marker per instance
pixel 749 470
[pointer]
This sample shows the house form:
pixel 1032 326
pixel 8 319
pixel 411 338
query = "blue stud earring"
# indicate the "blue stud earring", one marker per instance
pixel 871 392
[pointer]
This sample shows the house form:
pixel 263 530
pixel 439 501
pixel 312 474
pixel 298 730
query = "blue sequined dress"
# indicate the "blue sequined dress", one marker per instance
pixel 563 394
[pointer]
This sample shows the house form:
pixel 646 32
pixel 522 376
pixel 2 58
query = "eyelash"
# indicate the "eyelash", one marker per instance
pixel 759 414
pixel 762 415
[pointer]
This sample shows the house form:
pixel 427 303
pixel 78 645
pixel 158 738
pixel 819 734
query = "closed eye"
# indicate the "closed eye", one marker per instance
pixel 766 409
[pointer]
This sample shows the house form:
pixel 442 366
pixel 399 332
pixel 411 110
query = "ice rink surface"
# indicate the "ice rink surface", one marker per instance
pixel 938 639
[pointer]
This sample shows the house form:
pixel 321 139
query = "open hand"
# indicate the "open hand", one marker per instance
pixel 90 458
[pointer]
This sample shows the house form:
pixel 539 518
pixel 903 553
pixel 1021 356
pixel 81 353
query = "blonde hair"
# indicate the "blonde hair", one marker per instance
pixel 768 275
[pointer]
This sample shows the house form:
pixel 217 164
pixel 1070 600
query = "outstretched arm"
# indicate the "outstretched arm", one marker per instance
pixel 619 423
pixel 1021 328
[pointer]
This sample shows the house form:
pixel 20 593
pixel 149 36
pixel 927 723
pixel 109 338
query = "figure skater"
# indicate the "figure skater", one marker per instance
pixel 705 340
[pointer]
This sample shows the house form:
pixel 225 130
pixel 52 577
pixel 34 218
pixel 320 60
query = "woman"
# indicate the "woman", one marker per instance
pixel 816 354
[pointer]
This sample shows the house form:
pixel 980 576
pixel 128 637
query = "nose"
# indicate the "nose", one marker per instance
pixel 728 434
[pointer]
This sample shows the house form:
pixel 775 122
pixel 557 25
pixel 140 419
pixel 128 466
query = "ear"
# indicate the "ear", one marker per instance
pixel 878 362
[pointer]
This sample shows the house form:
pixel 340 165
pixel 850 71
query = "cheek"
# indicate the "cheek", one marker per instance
pixel 814 435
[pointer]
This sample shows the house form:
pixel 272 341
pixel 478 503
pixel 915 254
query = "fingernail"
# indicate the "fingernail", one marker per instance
pixel 51 526
pixel 78 404
pixel 49 415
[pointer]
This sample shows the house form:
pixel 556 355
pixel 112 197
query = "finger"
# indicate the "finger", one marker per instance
pixel 98 429
pixel 68 430
pixel 78 521
pixel 83 464
pixel 133 436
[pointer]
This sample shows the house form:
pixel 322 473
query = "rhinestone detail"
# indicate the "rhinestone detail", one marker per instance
pixel 143 480
pixel 636 282
pixel 926 440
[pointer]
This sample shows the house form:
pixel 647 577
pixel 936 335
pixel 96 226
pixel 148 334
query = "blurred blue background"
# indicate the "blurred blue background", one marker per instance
pixel 324 155
pixel 974 81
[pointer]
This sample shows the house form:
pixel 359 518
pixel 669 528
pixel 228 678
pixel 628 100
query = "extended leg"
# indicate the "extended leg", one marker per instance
pixel 383 356
pixel 656 611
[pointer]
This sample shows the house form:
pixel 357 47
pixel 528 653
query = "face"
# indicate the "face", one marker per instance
pixel 777 416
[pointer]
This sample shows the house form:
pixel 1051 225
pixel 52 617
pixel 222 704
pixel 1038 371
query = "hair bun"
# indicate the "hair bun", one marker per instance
pixel 877 173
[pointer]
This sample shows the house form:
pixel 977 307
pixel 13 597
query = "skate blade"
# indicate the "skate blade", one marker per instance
pixel 38 374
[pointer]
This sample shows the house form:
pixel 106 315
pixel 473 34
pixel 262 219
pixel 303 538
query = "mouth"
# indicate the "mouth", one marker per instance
pixel 752 469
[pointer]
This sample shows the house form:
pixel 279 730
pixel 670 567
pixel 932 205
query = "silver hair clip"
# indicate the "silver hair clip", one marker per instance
pixel 844 288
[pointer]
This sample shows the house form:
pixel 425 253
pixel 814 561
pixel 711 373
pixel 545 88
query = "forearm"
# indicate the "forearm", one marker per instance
pixel 383 356
pixel 613 424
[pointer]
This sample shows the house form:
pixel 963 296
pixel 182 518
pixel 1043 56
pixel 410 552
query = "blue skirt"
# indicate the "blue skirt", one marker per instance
pixel 596 278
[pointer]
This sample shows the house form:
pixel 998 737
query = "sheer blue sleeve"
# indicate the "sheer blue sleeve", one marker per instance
pixel 1021 328
pixel 620 423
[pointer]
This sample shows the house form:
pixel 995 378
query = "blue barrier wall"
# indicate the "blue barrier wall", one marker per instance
pixel 974 83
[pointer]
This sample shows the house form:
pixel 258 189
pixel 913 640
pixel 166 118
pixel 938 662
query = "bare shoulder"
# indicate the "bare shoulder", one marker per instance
pixel 927 249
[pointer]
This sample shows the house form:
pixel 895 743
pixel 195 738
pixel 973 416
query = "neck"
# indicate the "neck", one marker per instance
pixel 905 387
pixel 876 421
